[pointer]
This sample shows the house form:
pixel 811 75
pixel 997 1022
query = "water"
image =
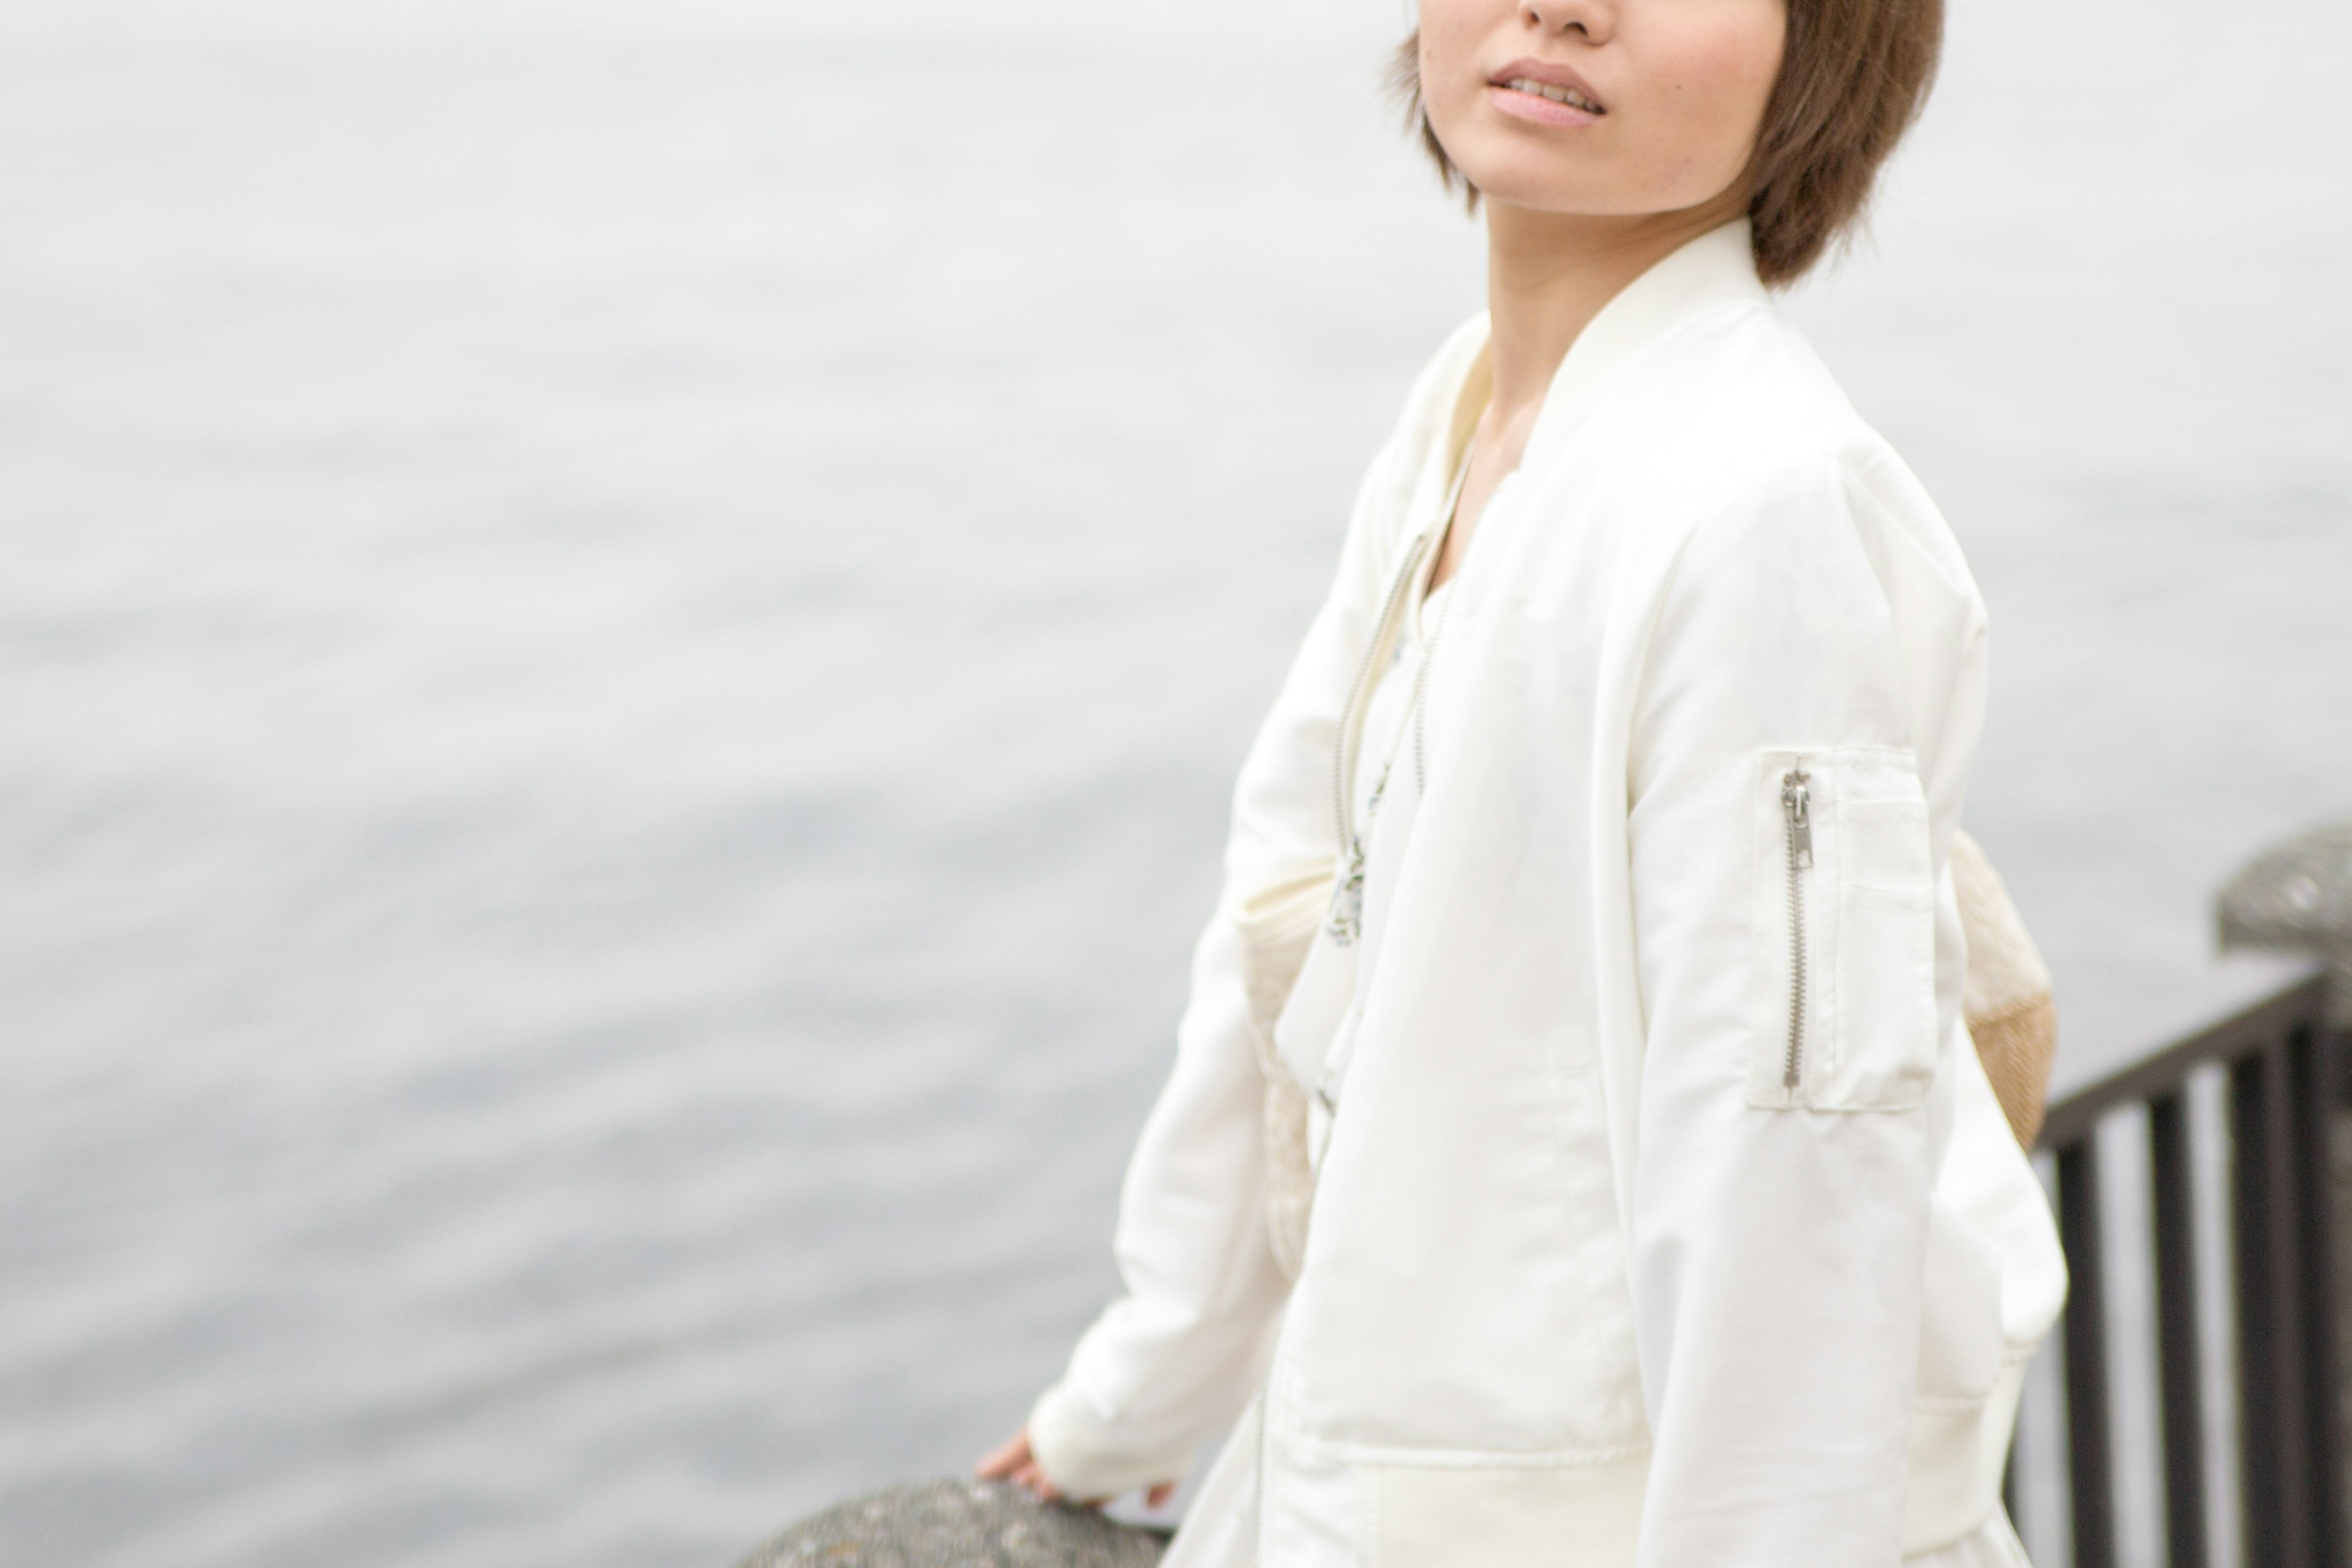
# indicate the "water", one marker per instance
pixel 624 629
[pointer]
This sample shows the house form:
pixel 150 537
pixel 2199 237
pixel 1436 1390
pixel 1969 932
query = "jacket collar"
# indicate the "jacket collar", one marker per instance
pixel 1717 268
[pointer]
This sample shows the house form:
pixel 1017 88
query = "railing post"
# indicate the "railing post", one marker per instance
pixel 2175 1327
pixel 2313 1054
pixel 2296 897
pixel 2088 1465
pixel 2270 1289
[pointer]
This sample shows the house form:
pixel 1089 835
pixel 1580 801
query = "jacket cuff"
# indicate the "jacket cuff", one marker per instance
pixel 1069 1446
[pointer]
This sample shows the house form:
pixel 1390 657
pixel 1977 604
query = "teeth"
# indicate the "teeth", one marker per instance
pixel 1566 95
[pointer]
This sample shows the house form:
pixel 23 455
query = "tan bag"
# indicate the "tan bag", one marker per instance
pixel 2006 999
pixel 2007 994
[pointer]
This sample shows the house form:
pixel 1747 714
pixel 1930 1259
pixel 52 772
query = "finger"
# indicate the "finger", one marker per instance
pixel 1006 1457
pixel 1033 1475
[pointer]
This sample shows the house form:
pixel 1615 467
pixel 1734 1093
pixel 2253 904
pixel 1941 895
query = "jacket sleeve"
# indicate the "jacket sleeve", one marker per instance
pixel 1173 1359
pixel 1813 650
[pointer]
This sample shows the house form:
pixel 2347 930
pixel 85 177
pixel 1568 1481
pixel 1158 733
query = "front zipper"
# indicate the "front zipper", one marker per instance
pixel 1796 818
pixel 1347 897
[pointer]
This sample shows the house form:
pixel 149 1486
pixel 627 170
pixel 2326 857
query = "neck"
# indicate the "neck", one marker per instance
pixel 1549 274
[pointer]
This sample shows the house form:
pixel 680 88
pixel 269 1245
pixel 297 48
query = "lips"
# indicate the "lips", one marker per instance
pixel 1566 95
pixel 1545 80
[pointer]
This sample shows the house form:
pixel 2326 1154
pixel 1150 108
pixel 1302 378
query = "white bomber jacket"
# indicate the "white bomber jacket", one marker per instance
pixel 1667 1217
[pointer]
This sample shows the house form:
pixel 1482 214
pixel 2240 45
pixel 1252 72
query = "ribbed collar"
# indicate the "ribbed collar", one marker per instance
pixel 1718 266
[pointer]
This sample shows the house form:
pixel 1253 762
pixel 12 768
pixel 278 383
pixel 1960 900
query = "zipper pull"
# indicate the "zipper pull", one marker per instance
pixel 1797 806
pixel 1347 897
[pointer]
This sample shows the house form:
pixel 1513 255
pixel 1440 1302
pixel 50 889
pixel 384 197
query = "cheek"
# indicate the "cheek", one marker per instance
pixel 1451 32
pixel 1719 79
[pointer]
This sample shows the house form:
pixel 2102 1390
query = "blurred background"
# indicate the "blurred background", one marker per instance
pixel 624 629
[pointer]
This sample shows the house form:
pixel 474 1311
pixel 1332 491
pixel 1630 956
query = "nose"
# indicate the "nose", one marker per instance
pixel 1588 19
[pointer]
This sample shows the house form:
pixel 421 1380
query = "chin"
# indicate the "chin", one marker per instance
pixel 1506 165
pixel 1545 188
pixel 1567 187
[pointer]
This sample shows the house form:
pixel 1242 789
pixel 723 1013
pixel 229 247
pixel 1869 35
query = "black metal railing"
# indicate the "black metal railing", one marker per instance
pixel 2283 1088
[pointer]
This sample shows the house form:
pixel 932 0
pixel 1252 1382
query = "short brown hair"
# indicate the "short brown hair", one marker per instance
pixel 1853 75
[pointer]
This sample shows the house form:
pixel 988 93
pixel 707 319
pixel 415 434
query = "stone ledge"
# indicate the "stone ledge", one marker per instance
pixel 2296 897
pixel 958 1524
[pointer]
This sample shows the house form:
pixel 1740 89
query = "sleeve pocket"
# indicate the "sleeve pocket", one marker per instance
pixel 1885 844
pixel 1885 1051
pixel 1845 1017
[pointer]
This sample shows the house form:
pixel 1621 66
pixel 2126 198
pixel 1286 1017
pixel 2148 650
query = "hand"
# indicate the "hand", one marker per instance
pixel 1013 1461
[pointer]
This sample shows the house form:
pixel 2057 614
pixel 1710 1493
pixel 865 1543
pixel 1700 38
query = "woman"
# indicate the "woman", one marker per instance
pixel 1661 1212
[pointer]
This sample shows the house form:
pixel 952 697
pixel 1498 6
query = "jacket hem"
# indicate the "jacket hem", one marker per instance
pixel 1958 1453
pixel 1332 1451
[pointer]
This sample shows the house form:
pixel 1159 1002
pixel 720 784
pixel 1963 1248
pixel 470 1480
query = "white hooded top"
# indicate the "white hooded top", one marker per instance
pixel 1666 1217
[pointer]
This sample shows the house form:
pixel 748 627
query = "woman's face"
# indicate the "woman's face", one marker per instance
pixel 1600 107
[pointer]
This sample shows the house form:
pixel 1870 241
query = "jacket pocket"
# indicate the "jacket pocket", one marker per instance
pixel 1844 924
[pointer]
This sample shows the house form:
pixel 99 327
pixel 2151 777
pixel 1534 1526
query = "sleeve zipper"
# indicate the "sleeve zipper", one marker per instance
pixel 1796 818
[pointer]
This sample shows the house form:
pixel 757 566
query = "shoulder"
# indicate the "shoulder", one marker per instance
pixel 1732 427
pixel 1730 401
